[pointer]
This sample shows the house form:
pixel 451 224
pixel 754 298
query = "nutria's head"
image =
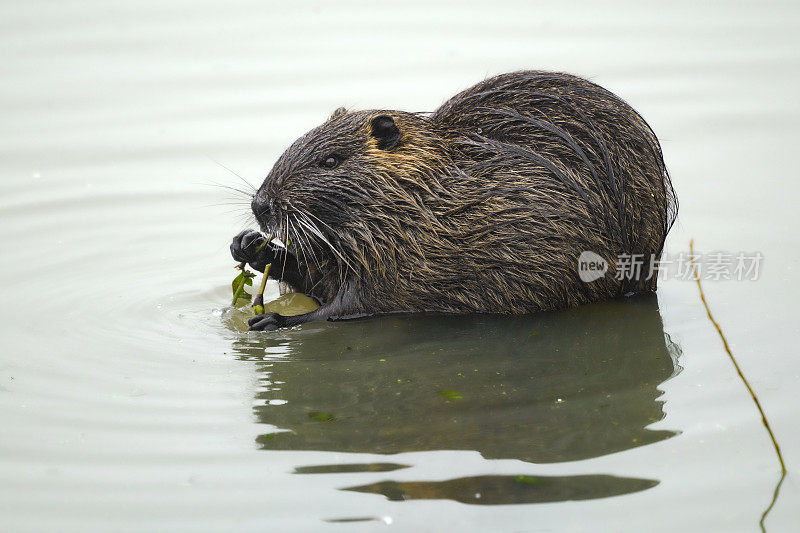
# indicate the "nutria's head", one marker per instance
pixel 340 188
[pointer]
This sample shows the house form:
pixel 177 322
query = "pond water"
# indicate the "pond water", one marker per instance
pixel 133 399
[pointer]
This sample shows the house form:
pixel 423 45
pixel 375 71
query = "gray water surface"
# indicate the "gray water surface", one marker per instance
pixel 133 399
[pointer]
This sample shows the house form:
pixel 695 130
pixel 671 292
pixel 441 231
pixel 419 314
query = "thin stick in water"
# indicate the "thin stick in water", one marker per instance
pixel 746 384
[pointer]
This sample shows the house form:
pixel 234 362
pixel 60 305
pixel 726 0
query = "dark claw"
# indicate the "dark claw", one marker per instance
pixel 246 247
pixel 266 322
pixel 245 244
pixel 251 241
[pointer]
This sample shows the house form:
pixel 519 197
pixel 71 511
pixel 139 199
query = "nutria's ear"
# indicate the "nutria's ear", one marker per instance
pixel 338 113
pixel 386 132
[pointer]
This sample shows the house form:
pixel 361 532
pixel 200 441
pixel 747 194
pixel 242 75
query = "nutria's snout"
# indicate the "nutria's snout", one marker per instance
pixel 264 211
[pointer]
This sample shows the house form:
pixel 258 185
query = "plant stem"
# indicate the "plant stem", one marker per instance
pixel 258 301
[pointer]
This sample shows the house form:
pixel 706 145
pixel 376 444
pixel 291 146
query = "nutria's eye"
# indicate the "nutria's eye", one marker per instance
pixel 331 161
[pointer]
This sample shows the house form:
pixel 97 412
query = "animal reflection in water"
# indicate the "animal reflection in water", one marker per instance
pixel 553 387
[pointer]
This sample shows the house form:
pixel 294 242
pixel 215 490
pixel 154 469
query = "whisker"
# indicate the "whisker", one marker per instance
pixel 340 258
pixel 285 240
pixel 228 187
pixel 238 204
pixel 314 230
pixel 235 174
pixel 240 215
pixel 302 236
pixel 296 236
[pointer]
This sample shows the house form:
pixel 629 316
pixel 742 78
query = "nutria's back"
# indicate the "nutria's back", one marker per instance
pixel 576 155
pixel 484 205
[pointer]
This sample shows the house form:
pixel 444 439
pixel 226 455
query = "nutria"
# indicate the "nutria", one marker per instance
pixel 483 206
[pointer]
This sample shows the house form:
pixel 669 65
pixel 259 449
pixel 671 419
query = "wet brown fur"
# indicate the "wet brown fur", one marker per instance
pixel 482 206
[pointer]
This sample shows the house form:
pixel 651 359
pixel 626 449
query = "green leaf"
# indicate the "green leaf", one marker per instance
pixel 244 279
pixel 320 416
pixel 449 394
pixel 291 304
pixel 528 480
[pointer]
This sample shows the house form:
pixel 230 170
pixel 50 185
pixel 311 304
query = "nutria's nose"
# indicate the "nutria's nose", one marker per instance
pixel 262 208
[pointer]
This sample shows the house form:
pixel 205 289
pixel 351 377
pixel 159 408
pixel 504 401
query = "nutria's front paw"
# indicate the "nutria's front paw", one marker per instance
pixel 267 322
pixel 250 246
